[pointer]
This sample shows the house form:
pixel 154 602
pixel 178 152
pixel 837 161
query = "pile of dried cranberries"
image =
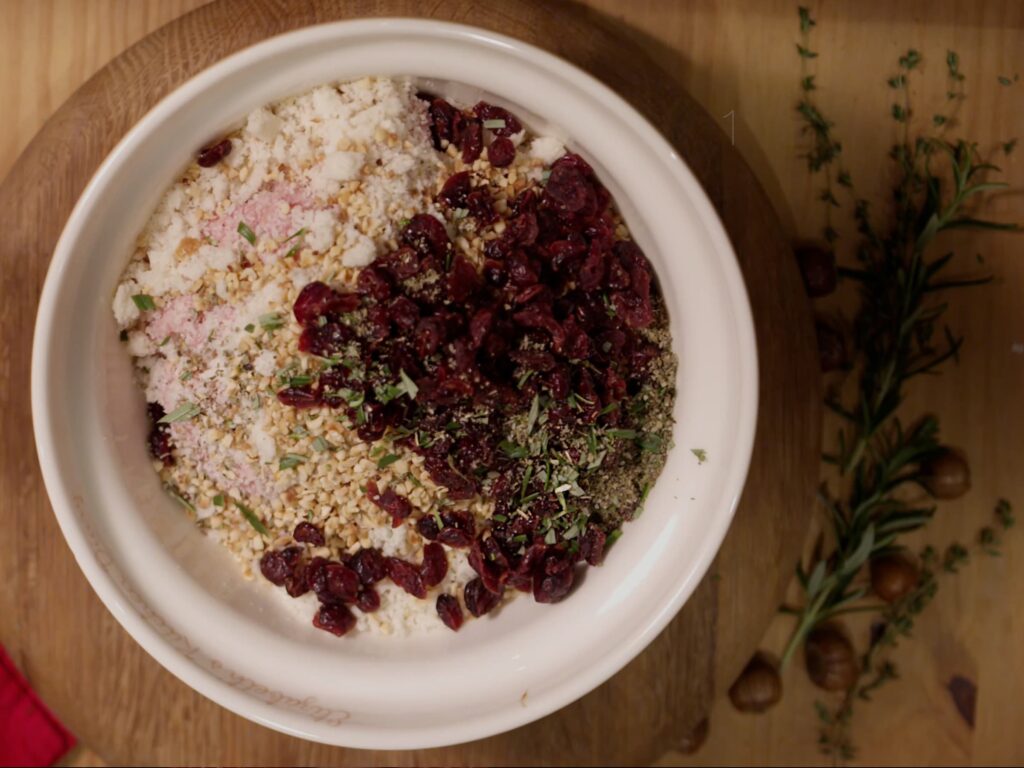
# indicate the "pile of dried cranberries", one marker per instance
pixel 441 356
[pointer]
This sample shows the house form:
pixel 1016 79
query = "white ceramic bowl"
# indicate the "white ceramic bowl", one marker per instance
pixel 182 598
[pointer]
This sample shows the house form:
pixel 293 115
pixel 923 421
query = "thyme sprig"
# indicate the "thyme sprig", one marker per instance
pixel 895 339
pixel 895 622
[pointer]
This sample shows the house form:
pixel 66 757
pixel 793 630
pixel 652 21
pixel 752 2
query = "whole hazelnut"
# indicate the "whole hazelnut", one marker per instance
pixel 946 474
pixel 893 576
pixel 759 686
pixel 831 662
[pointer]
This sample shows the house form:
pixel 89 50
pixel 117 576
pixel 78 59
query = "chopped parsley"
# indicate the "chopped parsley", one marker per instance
pixel 218 500
pixel 144 301
pixel 320 445
pixel 700 453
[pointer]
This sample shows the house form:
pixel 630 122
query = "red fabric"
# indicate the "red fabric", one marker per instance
pixel 29 734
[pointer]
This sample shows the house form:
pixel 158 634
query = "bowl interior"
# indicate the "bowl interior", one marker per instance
pixel 244 643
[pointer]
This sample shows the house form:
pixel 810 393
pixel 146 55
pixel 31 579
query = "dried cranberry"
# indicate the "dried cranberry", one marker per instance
pixel 455 190
pixel 435 564
pixel 326 340
pixel 450 611
pixel 568 189
pixel 335 618
pixel 592 545
pixel 479 599
pixel 374 282
pixel 160 445
pixel 459 487
pixel 553 581
pixel 523 229
pixel 317 300
pixel 462 280
pixel 472 140
pixel 210 155
pixel 369 565
pixel 342 582
pixel 308 533
pixel 453 537
pixel 274 567
pixel 481 206
pixel 393 503
pixel 295 583
pixel 486 111
pixel 401 264
pixel 406 575
pixel 426 236
pixel 368 600
pixel 427 527
pixel 501 153
pixel 298 397
pixel 487 559
pixel 441 114
pixel 404 313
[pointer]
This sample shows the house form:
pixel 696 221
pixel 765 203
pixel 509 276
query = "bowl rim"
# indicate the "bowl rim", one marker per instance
pixel 202 680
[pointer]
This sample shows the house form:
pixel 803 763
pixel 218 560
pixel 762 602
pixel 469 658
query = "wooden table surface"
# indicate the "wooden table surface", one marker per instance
pixel 737 59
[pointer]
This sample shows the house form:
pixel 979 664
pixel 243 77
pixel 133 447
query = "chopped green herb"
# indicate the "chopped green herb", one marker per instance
pixel 254 521
pixel 299 381
pixel 512 450
pixel 459 213
pixel 297 233
pixel 218 500
pixel 403 223
pixel 245 231
pixel 250 328
pixel 271 321
pixel 531 419
pixel 613 537
pixel 622 434
pixel 144 301
pixel 492 124
pixel 700 453
pixel 651 442
pixel 387 461
pixel 550 537
pixel 806 22
pixel 185 376
pixel 805 53
pixel 411 390
pixel 183 412
pixel 320 445
pixel 498 518
pixel 290 461
pixel 173 493
pixel 293 251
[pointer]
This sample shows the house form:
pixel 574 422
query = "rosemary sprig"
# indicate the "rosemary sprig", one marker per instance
pixel 894 341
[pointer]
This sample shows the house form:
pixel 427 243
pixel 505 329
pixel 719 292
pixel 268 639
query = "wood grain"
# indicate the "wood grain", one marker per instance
pixel 633 717
pixel 732 56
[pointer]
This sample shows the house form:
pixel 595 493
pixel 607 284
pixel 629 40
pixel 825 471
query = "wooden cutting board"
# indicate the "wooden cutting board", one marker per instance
pixel 120 701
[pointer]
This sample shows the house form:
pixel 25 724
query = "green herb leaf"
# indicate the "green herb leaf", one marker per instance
pixel 297 233
pixel 493 124
pixel 320 445
pixel 254 521
pixel 249 328
pixel 183 412
pixel 512 450
pixel 622 434
pixel 408 385
pixel 805 53
pixel 271 321
pixel 387 461
pixel 218 500
pixel 176 495
pixel 700 453
pixel 144 301
pixel 806 22
pixel 531 419
pixel 245 231
pixel 290 461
